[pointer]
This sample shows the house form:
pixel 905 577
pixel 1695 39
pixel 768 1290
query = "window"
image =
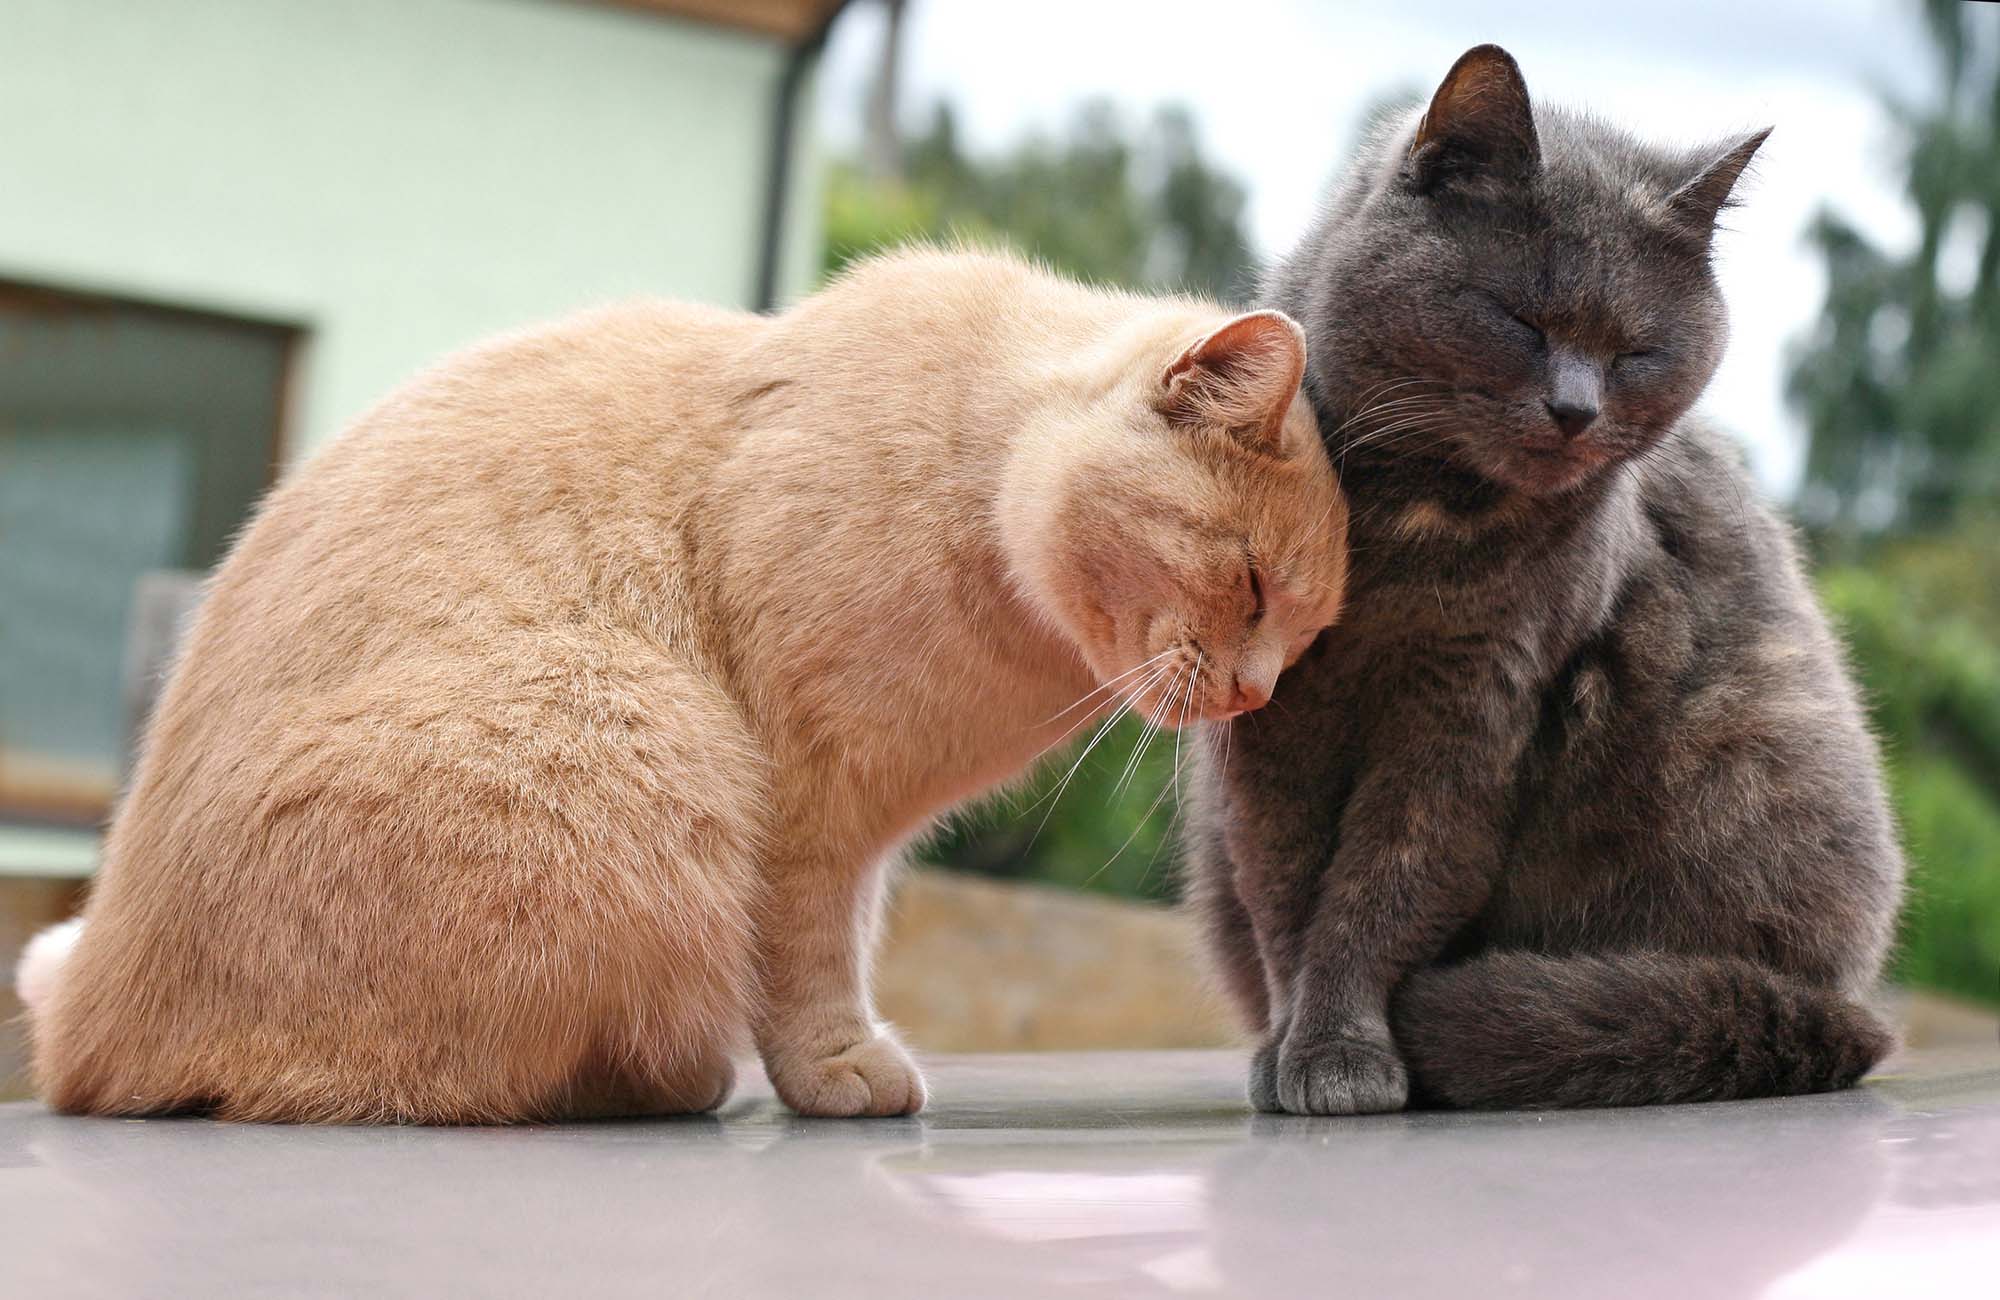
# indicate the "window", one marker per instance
pixel 133 438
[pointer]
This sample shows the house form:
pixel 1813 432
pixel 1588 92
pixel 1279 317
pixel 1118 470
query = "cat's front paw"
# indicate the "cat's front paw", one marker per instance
pixel 1340 1076
pixel 1264 1077
pixel 875 1077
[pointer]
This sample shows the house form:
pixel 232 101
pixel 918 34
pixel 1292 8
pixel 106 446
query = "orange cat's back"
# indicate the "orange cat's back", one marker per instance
pixel 447 687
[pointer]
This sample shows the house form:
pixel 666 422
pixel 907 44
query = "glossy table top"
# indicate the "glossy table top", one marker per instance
pixel 1093 1174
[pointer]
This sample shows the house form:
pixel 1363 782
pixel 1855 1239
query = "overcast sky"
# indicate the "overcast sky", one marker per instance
pixel 1277 86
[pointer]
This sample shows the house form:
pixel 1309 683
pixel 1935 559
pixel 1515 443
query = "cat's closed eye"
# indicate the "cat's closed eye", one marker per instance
pixel 1517 323
pixel 1528 323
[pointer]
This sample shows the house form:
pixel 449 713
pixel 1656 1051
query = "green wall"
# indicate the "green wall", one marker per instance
pixel 398 177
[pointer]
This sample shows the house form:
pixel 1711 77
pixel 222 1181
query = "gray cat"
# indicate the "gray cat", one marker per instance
pixel 1576 806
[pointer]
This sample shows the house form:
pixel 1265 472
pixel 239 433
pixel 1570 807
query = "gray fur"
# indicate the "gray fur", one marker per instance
pixel 1576 805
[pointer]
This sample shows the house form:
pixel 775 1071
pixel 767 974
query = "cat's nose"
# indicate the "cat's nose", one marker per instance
pixel 1572 417
pixel 1248 695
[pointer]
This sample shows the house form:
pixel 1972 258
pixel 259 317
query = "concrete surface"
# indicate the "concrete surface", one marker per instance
pixel 1102 1174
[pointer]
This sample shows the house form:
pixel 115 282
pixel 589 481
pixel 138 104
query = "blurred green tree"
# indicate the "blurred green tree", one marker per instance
pixel 1901 393
pixel 1108 201
pixel 1897 382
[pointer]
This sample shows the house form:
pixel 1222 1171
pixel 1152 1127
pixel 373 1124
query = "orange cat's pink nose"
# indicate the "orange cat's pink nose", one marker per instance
pixel 1249 695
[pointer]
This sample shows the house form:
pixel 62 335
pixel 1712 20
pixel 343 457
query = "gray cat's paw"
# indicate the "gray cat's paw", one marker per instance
pixel 1264 1078
pixel 1341 1076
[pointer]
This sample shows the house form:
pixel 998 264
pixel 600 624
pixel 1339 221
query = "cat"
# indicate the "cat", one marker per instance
pixel 546 735
pixel 1580 807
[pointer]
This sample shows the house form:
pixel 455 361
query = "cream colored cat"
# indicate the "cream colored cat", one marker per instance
pixel 553 726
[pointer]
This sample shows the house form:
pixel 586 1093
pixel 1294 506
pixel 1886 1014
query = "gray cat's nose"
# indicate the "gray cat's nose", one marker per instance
pixel 1571 417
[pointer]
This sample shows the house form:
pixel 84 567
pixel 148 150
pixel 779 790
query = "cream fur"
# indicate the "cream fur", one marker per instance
pixel 42 960
pixel 552 727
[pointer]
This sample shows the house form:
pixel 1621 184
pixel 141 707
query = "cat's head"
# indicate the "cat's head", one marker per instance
pixel 1181 523
pixel 1521 292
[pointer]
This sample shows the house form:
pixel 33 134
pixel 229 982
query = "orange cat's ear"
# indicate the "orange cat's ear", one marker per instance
pixel 1240 379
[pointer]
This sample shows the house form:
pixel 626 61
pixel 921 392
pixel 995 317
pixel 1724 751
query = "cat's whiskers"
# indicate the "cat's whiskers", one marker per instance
pixel 1144 818
pixel 1132 761
pixel 1054 797
pixel 1371 402
pixel 1193 678
pixel 1368 404
pixel 1413 412
pixel 1153 725
pixel 1403 420
pixel 1404 434
pixel 1125 706
pixel 1363 414
pixel 1228 738
pixel 1386 385
pixel 1099 689
pixel 1180 695
pixel 1374 404
pixel 1166 839
pixel 1390 422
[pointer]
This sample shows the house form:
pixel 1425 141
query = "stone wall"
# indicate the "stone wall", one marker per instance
pixel 972 965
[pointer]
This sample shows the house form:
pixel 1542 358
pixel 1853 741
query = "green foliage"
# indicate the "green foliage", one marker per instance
pixel 1897 381
pixel 1950 937
pixel 1900 391
pixel 1108 204
pixel 1111 205
pixel 1105 830
pixel 1929 663
pixel 862 217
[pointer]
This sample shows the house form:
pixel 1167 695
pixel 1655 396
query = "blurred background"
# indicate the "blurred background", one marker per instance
pixel 229 225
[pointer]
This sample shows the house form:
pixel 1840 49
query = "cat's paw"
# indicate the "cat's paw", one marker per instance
pixel 875 1077
pixel 1264 1077
pixel 1341 1076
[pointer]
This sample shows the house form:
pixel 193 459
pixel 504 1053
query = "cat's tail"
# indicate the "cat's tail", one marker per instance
pixel 42 962
pixel 1516 1029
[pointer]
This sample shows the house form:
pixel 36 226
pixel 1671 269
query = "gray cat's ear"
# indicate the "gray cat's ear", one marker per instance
pixel 1695 205
pixel 1480 125
pixel 1240 379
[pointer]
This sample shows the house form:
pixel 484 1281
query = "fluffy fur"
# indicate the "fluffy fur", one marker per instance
pixel 1579 808
pixel 42 960
pixel 553 726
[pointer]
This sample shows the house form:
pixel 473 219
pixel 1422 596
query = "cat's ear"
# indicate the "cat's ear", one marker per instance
pixel 1240 378
pixel 1694 207
pixel 1479 126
